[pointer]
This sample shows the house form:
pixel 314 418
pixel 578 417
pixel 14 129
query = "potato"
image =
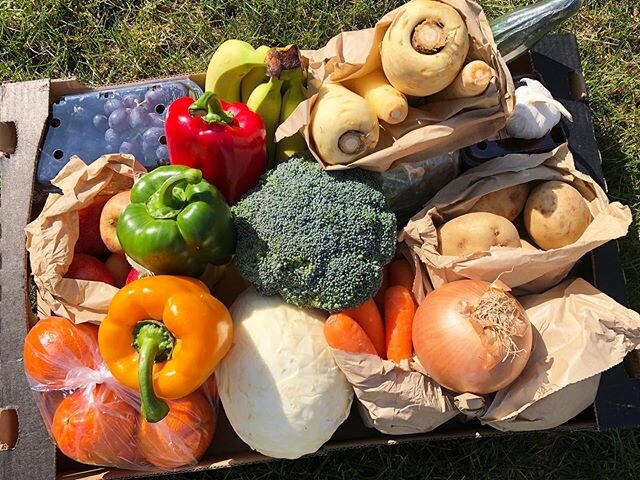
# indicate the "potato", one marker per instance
pixel 527 245
pixel 555 215
pixel 476 232
pixel 507 202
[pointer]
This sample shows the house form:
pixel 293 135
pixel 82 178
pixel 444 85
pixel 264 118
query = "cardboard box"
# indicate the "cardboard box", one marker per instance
pixel 34 456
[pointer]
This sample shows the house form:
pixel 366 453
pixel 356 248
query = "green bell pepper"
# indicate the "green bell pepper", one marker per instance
pixel 177 223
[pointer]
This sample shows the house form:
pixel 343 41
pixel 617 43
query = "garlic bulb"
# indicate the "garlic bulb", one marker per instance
pixel 536 111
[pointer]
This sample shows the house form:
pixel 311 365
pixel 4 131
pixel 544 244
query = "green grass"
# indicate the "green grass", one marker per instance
pixel 111 41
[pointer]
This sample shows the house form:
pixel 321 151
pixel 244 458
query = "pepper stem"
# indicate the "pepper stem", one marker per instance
pixel 209 108
pixel 170 198
pixel 154 343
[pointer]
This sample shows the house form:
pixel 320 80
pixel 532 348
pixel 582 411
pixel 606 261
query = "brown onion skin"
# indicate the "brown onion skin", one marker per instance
pixel 455 363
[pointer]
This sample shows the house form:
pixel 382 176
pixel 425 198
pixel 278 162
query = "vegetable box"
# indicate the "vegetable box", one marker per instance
pixel 24 443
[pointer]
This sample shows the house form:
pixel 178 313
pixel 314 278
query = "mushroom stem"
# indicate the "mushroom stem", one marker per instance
pixel 429 37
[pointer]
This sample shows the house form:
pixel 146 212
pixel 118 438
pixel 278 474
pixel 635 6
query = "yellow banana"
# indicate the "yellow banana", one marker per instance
pixel 266 101
pixel 293 96
pixel 255 77
pixel 228 66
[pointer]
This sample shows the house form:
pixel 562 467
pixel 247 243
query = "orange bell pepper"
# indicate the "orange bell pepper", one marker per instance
pixel 164 336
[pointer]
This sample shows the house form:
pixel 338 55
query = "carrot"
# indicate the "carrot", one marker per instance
pixel 399 309
pixel 379 296
pixel 368 317
pixel 343 333
pixel 400 273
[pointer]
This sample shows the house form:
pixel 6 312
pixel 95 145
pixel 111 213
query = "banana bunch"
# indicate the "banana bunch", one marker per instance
pixel 270 81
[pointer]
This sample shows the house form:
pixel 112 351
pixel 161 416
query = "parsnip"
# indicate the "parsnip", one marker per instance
pixel 473 80
pixel 389 104
pixel 343 125
pixel 424 48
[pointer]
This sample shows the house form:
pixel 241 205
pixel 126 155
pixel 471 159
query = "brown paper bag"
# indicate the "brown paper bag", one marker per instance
pixel 436 128
pixel 52 236
pixel 525 271
pixel 580 333
pixel 396 400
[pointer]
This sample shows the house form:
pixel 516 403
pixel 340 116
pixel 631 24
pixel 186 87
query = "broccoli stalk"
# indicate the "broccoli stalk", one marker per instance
pixel 319 239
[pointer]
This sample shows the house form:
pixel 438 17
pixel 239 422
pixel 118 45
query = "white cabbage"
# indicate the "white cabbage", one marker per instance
pixel 280 387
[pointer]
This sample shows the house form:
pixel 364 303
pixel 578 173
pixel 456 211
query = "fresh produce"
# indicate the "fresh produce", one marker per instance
pixel 164 336
pixel 96 427
pixel 228 66
pixel 226 141
pixel 472 336
pixel 86 267
pixel 109 220
pixel 343 125
pixel 318 238
pixel 389 104
pixel 473 80
pixel 177 223
pixel 279 385
pixel 294 94
pixel 424 48
pixel 518 30
pixel 89 239
pixel 507 202
pixel 536 111
pixel 254 77
pixel 266 101
pixel 401 273
pixel 379 296
pixel 54 346
pixel 132 276
pixel 119 268
pixel 556 215
pixel 399 310
pixel 476 232
pixel 369 319
pixel 182 437
pixel 344 333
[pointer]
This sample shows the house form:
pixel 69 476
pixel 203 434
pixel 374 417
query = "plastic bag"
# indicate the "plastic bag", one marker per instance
pixel 408 186
pixel 95 420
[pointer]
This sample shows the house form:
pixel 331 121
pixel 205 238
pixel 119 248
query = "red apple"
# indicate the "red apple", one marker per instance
pixel 119 268
pixel 86 267
pixel 133 276
pixel 89 240
pixel 109 220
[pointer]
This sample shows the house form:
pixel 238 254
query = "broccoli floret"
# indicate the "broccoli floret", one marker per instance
pixel 319 239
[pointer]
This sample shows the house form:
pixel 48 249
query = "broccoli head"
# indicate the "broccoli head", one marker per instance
pixel 319 239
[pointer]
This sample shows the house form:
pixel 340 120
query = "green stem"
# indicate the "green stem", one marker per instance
pixel 154 343
pixel 209 108
pixel 170 198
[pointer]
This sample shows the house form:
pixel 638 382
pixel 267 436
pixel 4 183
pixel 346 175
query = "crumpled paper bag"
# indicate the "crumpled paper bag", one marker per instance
pixel 435 128
pixel 579 332
pixel 52 236
pixel 525 271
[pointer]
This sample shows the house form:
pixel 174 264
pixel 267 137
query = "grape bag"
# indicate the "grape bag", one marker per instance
pixel 127 119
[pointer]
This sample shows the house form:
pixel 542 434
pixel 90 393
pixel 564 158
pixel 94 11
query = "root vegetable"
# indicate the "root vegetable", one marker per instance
pixel 472 336
pixel 399 309
pixel 368 317
pixel 424 48
pixel 343 333
pixel 507 202
pixel 556 215
pixel 400 273
pixel 343 125
pixel 476 232
pixel 473 80
pixel 389 104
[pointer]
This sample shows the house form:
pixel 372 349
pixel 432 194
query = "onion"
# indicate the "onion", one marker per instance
pixel 472 336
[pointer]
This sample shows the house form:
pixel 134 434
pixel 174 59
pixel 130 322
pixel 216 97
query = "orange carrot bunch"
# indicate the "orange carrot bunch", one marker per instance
pixel 365 330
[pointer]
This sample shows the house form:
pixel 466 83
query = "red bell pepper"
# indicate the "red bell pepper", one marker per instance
pixel 226 141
